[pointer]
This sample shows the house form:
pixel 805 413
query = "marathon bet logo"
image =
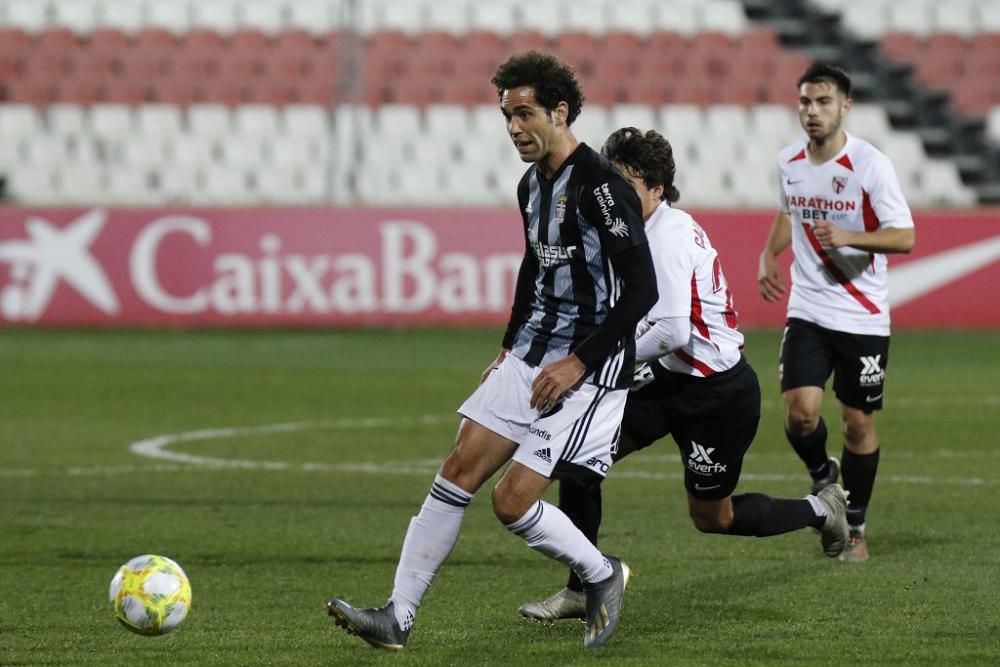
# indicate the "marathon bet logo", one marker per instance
pixel 871 371
pixel 49 256
pixel 700 461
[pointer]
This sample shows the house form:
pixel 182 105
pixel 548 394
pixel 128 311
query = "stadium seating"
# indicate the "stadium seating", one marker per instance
pixel 389 101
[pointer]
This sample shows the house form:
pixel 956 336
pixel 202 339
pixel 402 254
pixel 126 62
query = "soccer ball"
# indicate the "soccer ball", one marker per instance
pixel 150 595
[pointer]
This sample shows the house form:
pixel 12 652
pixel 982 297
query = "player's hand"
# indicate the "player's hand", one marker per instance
pixel 642 376
pixel 553 381
pixel 770 284
pixel 829 235
pixel 493 366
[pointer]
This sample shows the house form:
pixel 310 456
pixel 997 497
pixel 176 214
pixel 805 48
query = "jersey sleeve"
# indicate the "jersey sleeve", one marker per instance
pixel 673 265
pixel 885 194
pixel 782 198
pixel 616 212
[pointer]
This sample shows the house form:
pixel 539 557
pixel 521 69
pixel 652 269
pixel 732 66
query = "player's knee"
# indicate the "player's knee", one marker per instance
pixel 508 507
pixel 859 435
pixel 709 522
pixel 801 422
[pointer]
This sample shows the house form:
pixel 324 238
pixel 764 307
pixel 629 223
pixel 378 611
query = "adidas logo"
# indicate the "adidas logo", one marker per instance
pixel 544 454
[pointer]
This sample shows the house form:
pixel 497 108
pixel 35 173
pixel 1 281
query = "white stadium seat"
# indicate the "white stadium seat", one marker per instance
pixel 313 16
pixel 267 16
pixel 866 20
pixel 255 119
pixel 191 150
pixel 80 16
pixel 17 120
pixel 125 15
pixel 132 187
pixel 590 16
pixel 723 16
pixel 498 17
pixel 209 120
pixel 241 150
pixel 66 119
pixel 306 120
pixel 450 16
pixel 159 120
pixel 108 121
pixel 33 186
pixel 544 17
pixel 81 184
pixel 640 116
pixel 28 15
pixel 174 16
pixel 217 15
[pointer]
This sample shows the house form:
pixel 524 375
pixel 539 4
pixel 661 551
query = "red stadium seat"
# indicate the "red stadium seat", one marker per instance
pixel 901 45
pixel 294 41
pixel 202 40
pixel 617 43
pixel 437 42
pixel 58 40
pixel 177 91
pixel 524 40
pixel 124 91
pixel 30 91
pixel 108 41
pixel 82 91
pixel 251 43
pixel 154 39
pixel 483 42
pixel 757 40
pixel 14 41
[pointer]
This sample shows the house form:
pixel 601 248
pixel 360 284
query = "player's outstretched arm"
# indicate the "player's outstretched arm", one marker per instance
pixel 770 283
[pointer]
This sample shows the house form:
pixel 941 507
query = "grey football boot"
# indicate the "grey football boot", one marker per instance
pixel 604 604
pixel 376 625
pixel 564 604
pixel 831 477
pixel 835 532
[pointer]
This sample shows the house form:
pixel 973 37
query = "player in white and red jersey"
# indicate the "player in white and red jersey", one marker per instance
pixel 842 210
pixel 697 387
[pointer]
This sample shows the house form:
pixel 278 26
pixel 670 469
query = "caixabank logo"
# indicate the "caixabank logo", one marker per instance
pixel 49 256
pixel 206 267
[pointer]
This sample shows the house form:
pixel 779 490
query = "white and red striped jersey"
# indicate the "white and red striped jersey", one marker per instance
pixel 691 284
pixel 843 289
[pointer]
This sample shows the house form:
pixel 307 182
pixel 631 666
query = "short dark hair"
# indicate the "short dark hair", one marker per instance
pixel 827 73
pixel 553 80
pixel 648 156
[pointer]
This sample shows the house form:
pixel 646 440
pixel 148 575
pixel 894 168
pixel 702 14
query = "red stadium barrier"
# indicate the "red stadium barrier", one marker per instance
pixel 395 267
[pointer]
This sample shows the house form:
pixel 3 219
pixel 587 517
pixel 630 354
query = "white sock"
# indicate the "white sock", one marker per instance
pixel 429 539
pixel 817 506
pixel 546 529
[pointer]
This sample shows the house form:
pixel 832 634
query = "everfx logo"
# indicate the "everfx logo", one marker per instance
pixel 871 370
pixel 700 460
pixel 51 255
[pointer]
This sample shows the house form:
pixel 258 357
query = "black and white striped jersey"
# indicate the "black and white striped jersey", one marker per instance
pixel 575 223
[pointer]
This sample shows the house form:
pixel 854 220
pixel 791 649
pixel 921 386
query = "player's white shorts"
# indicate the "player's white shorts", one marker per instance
pixel 582 429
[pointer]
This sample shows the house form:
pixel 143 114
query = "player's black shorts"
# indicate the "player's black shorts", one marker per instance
pixel 810 353
pixel 713 421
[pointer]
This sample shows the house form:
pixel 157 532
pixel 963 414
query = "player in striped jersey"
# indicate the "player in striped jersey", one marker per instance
pixel 841 209
pixel 697 386
pixel 553 399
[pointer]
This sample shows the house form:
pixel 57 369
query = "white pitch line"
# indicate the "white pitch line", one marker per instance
pixel 155 448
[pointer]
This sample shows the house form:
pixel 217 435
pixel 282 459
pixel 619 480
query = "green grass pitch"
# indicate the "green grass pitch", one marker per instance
pixel 270 521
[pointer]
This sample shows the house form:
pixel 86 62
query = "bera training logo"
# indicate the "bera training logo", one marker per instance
pixel 50 255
